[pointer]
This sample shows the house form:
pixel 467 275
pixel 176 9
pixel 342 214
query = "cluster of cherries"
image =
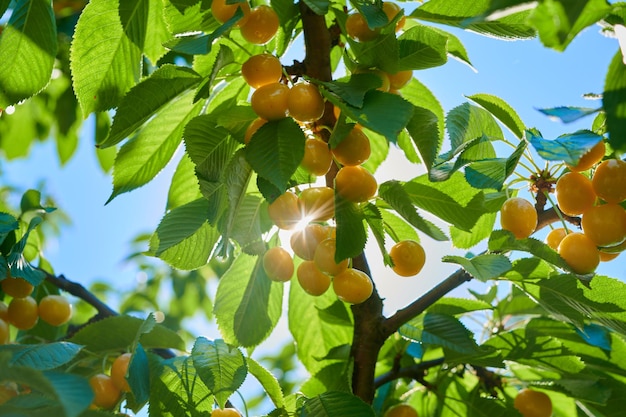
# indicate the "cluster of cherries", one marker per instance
pixel 593 190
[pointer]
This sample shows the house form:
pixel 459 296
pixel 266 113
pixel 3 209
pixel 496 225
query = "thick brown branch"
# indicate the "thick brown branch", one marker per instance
pixel 393 323
pixel 549 216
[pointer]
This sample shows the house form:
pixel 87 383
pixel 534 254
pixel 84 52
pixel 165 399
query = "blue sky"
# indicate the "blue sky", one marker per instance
pixel 523 73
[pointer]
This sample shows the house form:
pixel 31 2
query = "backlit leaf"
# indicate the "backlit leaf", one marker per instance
pixel 482 267
pixel 568 148
pixel 614 103
pixel 336 404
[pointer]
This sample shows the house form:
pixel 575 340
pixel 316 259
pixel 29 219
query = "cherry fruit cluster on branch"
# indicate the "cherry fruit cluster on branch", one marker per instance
pixel 592 189
pixel 23 311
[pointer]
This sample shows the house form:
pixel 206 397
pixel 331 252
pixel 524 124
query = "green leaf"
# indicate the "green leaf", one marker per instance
pixel 453 201
pixel 374 219
pixel 147 97
pixel 351 232
pixel 381 53
pixel 104 60
pixel 276 150
pixel 118 333
pixel 184 237
pixel 568 148
pixel 482 267
pixel 614 103
pixel 140 159
pixel 422 47
pixel 440 330
pixel 320 7
pixel 502 111
pixel 138 376
pixel 72 391
pixel 481 230
pixel 396 196
pixel 492 173
pixel 19 266
pixel 568 114
pixel 353 90
pixel 268 381
pixel 455 48
pixel 464 13
pixel 157 32
pixel 184 186
pixel 28 47
pixel 383 113
pixel 43 357
pixel 335 404
pixel 559 21
pixel 327 326
pixel 458 306
pixel 223 57
pixel 465 123
pixel 8 224
pixel 247 304
pixel 220 366
pixel 31 201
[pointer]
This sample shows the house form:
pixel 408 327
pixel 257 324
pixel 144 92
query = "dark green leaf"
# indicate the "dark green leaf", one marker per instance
pixel 318 6
pixel 44 357
pixel 276 150
pixel 28 47
pixel 397 197
pixel 335 404
pixel 351 232
pixel 568 148
pixel 139 375
pixel 71 390
pixel 421 47
pixel 8 224
pixel 353 90
pixel 614 103
pixel 147 97
pixel 482 267
pixel 118 333
pixel 221 367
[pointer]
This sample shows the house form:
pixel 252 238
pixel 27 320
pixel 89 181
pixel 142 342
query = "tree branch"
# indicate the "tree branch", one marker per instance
pixel 81 292
pixel 549 216
pixel 393 323
pixel 416 372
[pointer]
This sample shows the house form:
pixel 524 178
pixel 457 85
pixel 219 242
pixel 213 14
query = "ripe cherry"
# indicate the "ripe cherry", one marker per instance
pixel 408 258
pixel 305 103
pixel 354 149
pixel 106 394
pixel 392 10
pixel 357 28
pixel 278 264
pixel 399 79
pixel 518 216
pixel 589 159
pixel 574 193
pixel 304 242
pixel 609 181
pixel 16 287
pixel 325 257
pixel 531 403
pixel 261 25
pixel 401 410
pixel 317 157
pixel 252 128
pixel 311 279
pixel 353 286
pixel 55 309
pixel 223 12
pixel 119 369
pixel 605 224
pixel 225 412
pixel 285 211
pixel 318 203
pixel 23 313
pixel 555 236
pixel 269 102
pixel 355 183
pixel 580 253
pixel 262 69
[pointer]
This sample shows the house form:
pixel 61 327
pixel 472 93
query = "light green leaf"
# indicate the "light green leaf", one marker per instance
pixel 276 150
pixel 147 97
pixel 422 47
pixel 28 47
pixel 453 201
pixel 502 111
pixel 325 328
pixel 559 21
pixel 397 197
pixel 468 14
pixel 247 304
pixel 458 306
pixel 104 60
pixel 184 186
pixel 184 238
pixel 157 32
pixel 336 404
pixel 140 159
pixel 268 381
pixel 482 267
pixel 481 230
pixel 119 332
pixel 221 367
